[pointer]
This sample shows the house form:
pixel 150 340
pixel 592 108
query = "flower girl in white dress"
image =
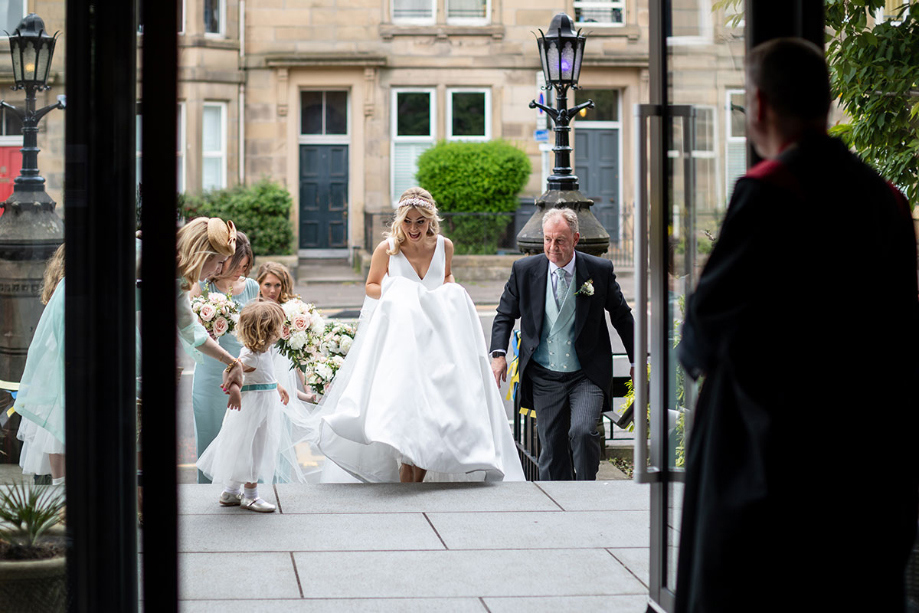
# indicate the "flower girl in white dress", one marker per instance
pixel 246 449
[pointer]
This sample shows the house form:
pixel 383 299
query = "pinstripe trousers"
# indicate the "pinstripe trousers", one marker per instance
pixel 568 407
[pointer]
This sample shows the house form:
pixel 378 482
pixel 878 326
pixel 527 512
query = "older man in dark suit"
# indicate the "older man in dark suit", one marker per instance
pixel 566 361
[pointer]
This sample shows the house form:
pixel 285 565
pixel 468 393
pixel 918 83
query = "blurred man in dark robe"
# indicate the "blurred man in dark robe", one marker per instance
pixel 801 484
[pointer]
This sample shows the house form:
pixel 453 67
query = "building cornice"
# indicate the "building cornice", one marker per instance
pixel 617 61
pixel 302 60
pixel 440 31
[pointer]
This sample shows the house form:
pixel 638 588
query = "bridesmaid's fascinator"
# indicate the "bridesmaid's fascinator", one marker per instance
pixel 221 235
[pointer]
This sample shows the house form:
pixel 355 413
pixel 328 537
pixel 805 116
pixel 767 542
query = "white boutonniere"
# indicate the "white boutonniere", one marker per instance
pixel 587 289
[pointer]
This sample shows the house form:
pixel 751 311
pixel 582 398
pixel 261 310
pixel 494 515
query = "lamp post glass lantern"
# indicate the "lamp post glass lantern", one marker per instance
pixel 561 52
pixel 30 229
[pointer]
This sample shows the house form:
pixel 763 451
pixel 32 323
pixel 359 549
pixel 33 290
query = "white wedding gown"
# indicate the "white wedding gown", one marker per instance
pixel 416 387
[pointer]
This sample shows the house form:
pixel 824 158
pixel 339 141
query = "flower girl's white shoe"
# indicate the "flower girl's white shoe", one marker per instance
pixel 257 504
pixel 229 500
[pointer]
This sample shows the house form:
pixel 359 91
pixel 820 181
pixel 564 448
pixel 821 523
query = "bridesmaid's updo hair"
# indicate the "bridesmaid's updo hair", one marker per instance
pixel 280 271
pixel 260 324
pixel 199 239
pixel 243 250
pixel 413 199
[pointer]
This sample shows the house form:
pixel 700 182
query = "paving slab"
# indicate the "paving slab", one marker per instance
pixel 413 497
pixel 636 560
pixel 598 495
pixel 575 604
pixel 542 530
pixel 450 574
pixel 277 532
pixel 340 605
pixel 250 575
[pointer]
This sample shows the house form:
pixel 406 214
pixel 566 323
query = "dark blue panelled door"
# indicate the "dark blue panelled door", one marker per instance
pixel 323 196
pixel 596 162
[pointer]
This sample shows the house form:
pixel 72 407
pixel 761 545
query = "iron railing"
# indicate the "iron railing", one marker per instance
pixel 526 434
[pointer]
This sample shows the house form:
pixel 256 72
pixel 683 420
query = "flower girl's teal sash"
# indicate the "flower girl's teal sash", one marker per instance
pixel 260 387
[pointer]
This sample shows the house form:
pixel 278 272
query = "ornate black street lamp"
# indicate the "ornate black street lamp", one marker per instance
pixel 30 230
pixel 561 51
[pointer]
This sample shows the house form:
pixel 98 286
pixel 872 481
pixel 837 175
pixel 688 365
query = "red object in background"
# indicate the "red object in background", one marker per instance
pixel 10 165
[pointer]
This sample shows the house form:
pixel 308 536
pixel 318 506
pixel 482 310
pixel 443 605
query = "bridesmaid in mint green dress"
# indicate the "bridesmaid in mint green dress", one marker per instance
pixel 208 399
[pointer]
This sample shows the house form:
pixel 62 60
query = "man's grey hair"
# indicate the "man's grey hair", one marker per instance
pixel 568 215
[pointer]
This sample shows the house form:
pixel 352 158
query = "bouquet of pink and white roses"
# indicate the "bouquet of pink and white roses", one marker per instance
pixel 302 332
pixel 321 370
pixel 217 312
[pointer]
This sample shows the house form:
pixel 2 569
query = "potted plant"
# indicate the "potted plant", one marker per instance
pixel 33 563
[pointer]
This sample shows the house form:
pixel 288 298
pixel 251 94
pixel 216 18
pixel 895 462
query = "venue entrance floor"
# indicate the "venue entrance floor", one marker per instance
pixel 547 546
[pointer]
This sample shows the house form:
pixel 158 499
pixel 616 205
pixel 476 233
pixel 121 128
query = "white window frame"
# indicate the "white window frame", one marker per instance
pixel 396 139
pixel 420 21
pixel 222 30
pixel 468 21
pixel 10 140
pixel 181 149
pixel 706 27
pixel 469 90
pixel 729 138
pixel 612 4
pixel 222 154
pixel 182 19
pixel 25 12
pixel 327 139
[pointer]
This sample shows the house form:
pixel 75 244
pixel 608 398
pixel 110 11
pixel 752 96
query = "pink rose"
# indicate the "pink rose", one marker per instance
pixel 221 326
pixel 300 322
pixel 285 332
pixel 207 312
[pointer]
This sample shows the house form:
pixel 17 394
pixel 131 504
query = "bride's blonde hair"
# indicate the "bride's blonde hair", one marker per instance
pixel 413 199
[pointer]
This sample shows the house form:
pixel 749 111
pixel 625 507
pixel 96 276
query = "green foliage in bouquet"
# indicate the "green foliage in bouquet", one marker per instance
pixel 261 211
pixel 478 178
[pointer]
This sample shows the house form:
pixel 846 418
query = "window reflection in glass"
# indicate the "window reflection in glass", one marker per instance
pixel 336 112
pixel 413 112
pixel 606 104
pixel 310 112
pixel 212 16
pixel 468 114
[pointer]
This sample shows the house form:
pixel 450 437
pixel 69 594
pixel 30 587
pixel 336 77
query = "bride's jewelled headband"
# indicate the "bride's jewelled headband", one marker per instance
pixel 416 202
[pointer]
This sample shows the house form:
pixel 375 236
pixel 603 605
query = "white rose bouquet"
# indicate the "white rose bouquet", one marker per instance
pixel 337 339
pixel 302 333
pixel 217 312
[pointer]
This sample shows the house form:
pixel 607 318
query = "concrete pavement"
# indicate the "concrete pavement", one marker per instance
pixel 562 546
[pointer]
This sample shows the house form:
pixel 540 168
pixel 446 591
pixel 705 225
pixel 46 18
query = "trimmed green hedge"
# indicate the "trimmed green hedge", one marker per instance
pixel 261 211
pixel 474 178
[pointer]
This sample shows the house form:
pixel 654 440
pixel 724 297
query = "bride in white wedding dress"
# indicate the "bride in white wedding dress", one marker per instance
pixel 416 394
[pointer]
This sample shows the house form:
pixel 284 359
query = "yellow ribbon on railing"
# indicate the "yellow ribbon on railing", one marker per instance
pixel 9 386
pixel 513 372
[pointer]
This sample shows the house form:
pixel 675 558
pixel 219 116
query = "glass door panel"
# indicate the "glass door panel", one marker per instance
pixel 691 131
